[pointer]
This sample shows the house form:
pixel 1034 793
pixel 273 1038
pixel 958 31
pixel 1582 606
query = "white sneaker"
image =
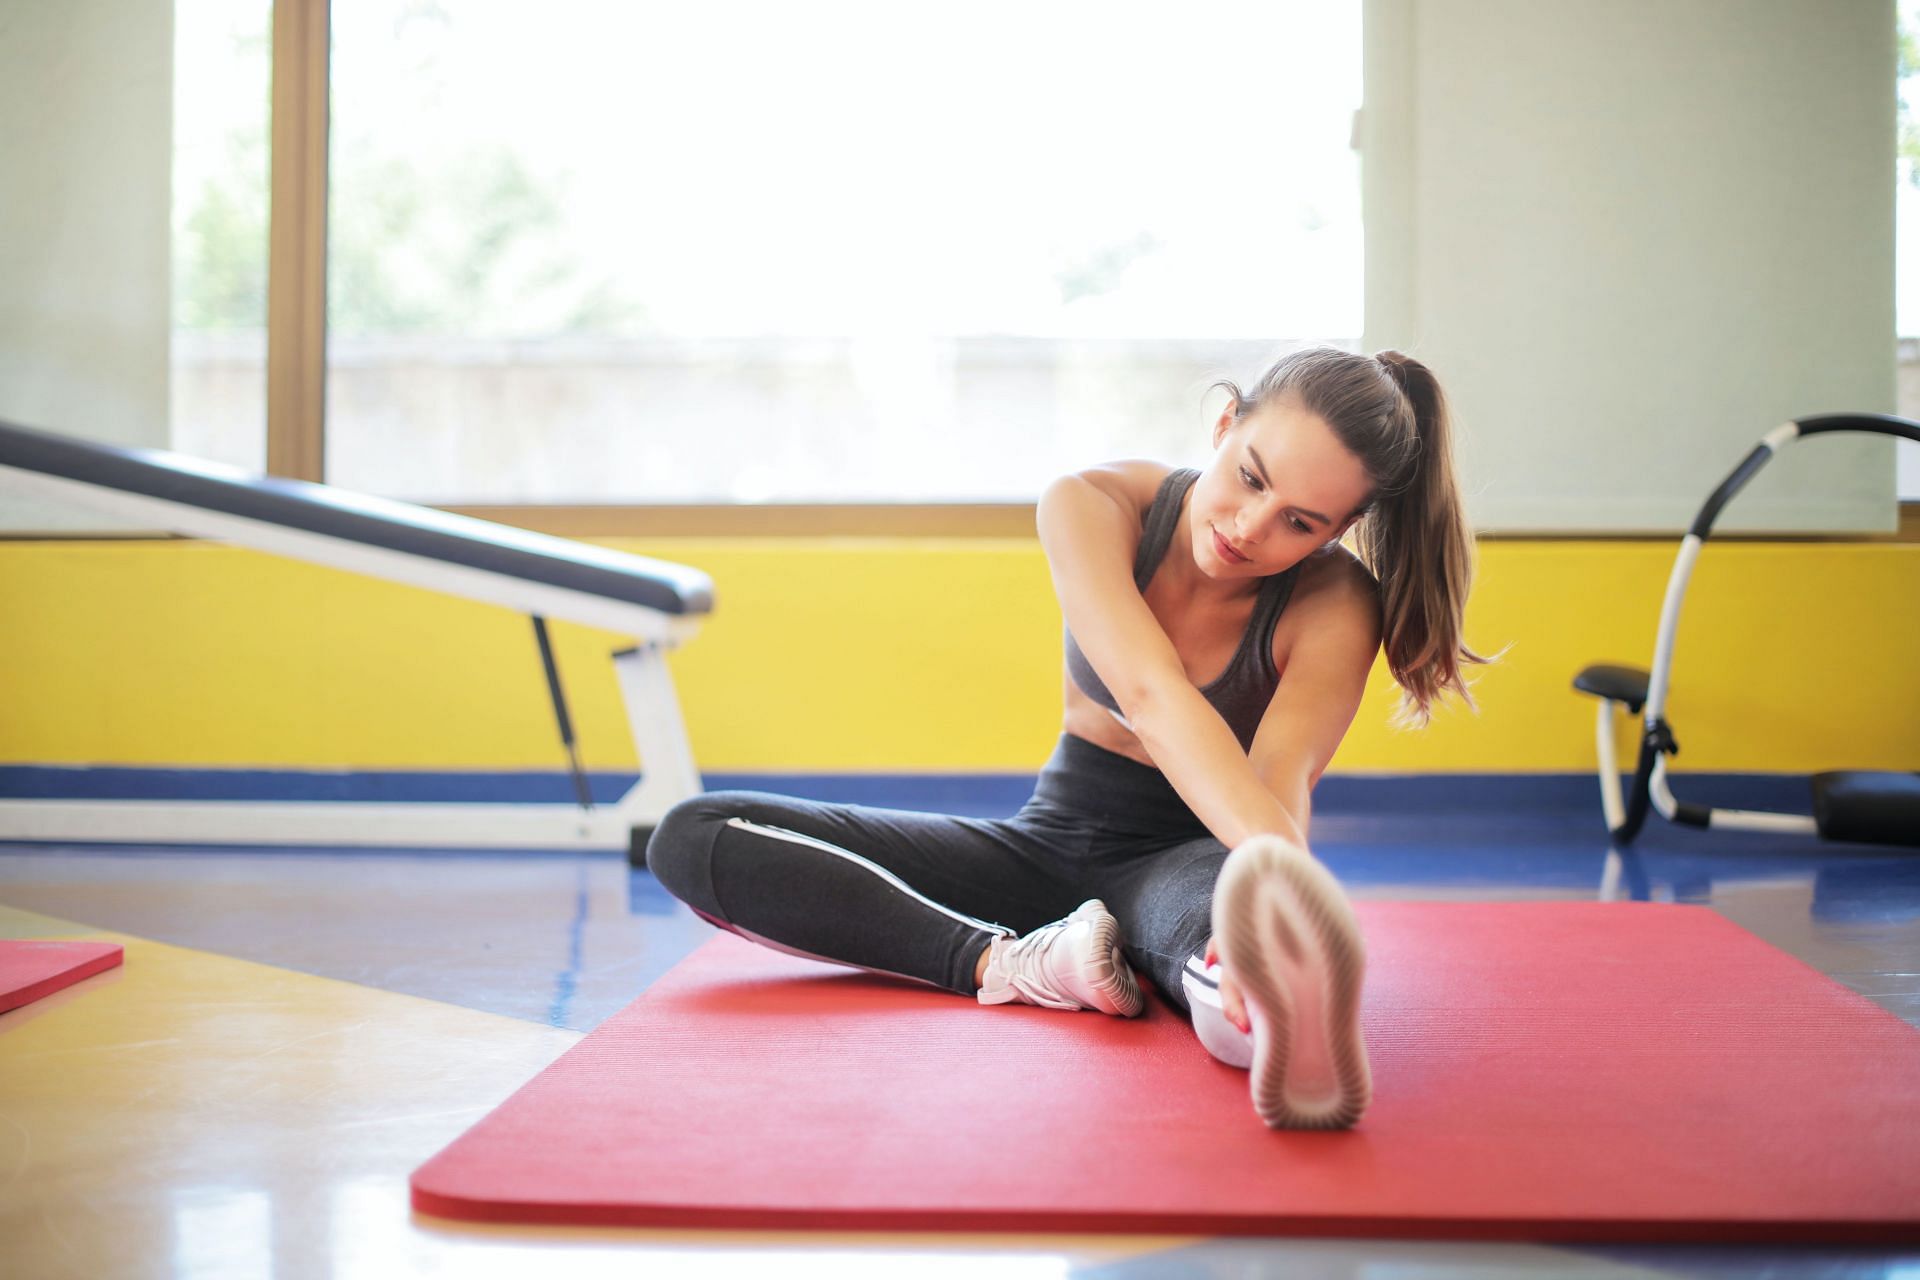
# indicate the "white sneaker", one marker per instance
pixel 1073 963
pixel 1218 1035
pixel 1288 938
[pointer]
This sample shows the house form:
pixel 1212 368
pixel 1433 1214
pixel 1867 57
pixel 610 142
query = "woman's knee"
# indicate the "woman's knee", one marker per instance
pixel 680 851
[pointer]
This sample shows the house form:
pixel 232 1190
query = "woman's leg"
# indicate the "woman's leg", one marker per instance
pixel 1286 937
pixel 1164 902
pixel 913 894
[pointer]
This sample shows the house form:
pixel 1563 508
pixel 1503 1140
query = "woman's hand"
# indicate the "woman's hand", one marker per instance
pixel 1231 1002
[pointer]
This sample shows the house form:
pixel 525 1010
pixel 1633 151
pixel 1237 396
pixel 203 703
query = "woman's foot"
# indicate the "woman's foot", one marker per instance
pixel 1288 940
pixel 1073 963
pixel 1212 1022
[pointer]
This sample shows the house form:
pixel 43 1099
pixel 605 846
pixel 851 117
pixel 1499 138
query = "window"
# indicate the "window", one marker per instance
pixel 223 58
pixel 837 252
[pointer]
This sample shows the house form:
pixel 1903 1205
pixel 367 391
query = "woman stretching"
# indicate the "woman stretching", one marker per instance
pixel 1218 640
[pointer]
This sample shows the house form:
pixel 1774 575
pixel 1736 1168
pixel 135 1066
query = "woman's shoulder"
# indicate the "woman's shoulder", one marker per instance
pixel 1134 482
pixel 1334 593
pixel 1335 578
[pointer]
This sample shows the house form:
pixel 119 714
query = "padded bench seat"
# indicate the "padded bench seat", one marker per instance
pixel 501 551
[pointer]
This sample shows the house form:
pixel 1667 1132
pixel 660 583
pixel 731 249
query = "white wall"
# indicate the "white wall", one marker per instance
pixel 1632 237
pixel 86 108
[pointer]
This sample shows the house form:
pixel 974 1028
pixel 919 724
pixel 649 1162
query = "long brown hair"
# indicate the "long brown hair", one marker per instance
pixel 1413 536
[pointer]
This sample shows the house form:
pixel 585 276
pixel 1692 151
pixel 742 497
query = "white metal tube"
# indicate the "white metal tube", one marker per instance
pixel 1755 820
pixel 1669 626
pixel 1663 802
pixel 442 826
pixel 1610 802
pixel 1729 819
pixel 668 773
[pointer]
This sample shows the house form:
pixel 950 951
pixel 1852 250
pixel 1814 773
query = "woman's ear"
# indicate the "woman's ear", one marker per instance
pixel 1225 423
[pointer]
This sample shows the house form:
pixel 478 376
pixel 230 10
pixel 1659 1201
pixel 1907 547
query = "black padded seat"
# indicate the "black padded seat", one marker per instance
pixel 1622 684
pixel 354 517
pixel 1868 806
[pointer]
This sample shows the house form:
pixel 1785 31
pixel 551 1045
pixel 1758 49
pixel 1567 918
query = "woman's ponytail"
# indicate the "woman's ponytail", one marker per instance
pixel 1417 543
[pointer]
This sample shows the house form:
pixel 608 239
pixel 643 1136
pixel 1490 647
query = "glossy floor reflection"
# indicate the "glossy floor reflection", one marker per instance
pixel 309 1126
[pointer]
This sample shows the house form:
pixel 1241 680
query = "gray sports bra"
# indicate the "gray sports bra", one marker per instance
pixel 1243 690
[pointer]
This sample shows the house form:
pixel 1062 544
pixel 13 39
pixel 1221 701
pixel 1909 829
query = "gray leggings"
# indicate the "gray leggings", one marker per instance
pixel 919 895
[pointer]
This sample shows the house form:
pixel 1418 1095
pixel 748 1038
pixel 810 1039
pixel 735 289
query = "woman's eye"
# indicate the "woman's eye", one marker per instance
pixel 1248 477
pixel 1300 526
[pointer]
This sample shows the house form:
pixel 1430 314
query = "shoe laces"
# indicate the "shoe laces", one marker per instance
pixel 1024 961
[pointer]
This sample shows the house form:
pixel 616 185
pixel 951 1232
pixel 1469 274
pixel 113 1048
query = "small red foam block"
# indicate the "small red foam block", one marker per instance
pixel 1551 1071
pixel 32 970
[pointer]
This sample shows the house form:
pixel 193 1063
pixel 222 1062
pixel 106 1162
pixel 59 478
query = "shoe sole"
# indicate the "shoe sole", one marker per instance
pixel 1111 976
pixel 1286 932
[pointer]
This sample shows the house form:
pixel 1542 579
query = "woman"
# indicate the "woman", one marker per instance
pixel 1218 641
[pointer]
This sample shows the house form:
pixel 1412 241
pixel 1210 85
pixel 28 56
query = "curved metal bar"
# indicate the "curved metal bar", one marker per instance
pixel 1650 789
pixel 1734 483
pixel 1702 528
pixel 1874 423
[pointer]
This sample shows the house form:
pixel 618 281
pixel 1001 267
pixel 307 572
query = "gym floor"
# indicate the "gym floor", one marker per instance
pixel 293 1032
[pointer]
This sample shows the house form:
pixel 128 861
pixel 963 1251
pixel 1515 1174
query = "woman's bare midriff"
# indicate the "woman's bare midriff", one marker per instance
pixel 1087 719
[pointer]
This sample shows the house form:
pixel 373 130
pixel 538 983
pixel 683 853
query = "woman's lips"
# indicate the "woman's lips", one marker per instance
pixel 1227 553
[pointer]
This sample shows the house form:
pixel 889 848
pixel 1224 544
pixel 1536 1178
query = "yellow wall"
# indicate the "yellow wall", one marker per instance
pixel 895 655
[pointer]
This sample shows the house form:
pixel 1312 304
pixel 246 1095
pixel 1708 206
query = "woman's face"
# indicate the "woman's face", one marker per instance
pixel 1280 487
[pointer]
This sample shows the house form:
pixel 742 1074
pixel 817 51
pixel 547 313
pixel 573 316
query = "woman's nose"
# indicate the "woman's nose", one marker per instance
pixel 1253 522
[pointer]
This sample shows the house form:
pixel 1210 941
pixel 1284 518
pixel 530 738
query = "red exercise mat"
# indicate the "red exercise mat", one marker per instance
pixel 31 970
pixel 1551 1071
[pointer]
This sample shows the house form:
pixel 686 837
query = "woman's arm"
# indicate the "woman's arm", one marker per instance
pixel 1090 527
pixel 1323 676
pixel 1197 751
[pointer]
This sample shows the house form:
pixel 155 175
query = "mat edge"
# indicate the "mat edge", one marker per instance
pixel 73 977
pixel 1771 1231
